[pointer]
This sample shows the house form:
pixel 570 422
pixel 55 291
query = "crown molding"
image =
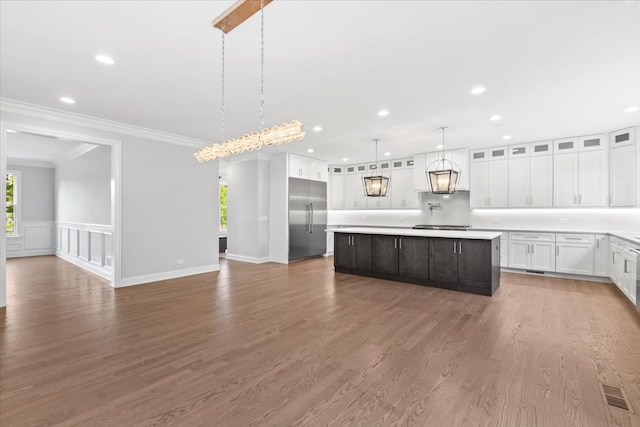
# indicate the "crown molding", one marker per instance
pixel 29 163
pixel 74 153
pixel 46 113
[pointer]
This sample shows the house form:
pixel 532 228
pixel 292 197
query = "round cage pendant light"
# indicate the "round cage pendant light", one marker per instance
pixel 445 174
pixel 376 184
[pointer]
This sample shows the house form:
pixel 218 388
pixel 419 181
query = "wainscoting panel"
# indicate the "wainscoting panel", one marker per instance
pixel 86 245
pixel 35 238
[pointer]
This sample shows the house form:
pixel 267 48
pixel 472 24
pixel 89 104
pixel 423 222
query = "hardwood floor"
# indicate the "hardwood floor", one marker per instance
pixel 276 345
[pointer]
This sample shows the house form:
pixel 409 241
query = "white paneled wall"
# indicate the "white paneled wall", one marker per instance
pixel 36 238
pixel 86 245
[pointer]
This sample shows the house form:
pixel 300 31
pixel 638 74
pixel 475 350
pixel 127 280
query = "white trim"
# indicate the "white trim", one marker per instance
pixel 253 260
pixel 30 163
pixel 558 275
pixel 30 252
pixel 37 111
pixel 3 201
pixel 174 274
pixel 74 153
pixel 85 265
pixel 98 228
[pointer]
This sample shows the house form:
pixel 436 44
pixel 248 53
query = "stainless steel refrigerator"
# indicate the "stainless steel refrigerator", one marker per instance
pixel 307 218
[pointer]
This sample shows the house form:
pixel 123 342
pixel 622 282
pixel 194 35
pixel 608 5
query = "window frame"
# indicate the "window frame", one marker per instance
pixel 220 185
pixel 17 220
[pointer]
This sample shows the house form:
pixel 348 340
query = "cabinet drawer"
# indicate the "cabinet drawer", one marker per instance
pixel 537 237
pixel 575 238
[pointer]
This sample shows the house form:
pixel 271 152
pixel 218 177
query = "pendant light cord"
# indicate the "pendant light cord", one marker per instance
pixel 222 112
pixel 261 65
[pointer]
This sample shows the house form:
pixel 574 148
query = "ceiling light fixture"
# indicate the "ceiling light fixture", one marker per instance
pixel 344 159
pixel 310 150
pixel 284 133
pixel 383 113
pixel 105 59
pixel 376 184
pixel 67 100
pixel 495 118
pixel 506 137
pixel 478 90
pixel 443 179
pixel 631 109
pixel 387 153
pixel 11 131
pixel 317 128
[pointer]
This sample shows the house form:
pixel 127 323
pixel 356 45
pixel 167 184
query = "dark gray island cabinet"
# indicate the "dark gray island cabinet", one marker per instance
pixel 464 261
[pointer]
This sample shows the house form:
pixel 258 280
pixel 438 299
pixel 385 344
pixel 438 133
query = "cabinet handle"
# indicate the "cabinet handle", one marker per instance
pixel 613 258
pixel 579 199
pixel 395 243
pixel 454 247
pixel 533 249
pixel 625 265
pixel 573 238
pixel 557 250
pixel 598 243
pixel 575 199
pixel 460 248
pixel 400 243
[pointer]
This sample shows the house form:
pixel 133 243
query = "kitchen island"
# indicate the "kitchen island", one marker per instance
pixel 467 261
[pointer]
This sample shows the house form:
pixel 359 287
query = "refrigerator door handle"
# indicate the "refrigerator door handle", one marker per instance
pixel 307 217
pixel 311 218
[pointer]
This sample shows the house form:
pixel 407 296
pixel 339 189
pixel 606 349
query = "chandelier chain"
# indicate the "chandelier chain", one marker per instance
pixel 222 96
pixel 261 65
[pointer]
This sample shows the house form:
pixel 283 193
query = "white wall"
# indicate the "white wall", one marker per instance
pixel 248 210
pixel 36 214
pixel 83 188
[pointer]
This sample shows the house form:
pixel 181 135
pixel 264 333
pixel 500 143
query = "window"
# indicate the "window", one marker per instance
pixel 12 191
pixel 223 206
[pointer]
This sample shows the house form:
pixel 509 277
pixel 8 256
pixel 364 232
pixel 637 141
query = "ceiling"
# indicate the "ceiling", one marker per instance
pixel 28 148
pixel 551 69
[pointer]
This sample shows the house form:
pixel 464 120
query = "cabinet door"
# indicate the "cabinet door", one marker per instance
pixel 419 175
pixel 519 196
pixel 543 256
pixel 378 202
pixel 461 158
pixel 396 189
pixel 614 265
pixel 592 179
pixel 601 256
pixel 574 258
pixel 412 198
pixel 413 260
pixel 565 180
pixel 478 177
pixel 354 197
pixel 363 252
pixel 343 254
pixel 443 260
pixel 518 254
pixel 385 254
pixel 622 176
pixel 298 166
pixel 475 263
pixel 630 269
pixel 337 191
pixel 540 181
pixel 498 191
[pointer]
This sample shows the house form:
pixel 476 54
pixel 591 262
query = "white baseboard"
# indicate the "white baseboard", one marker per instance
pixel 85 265
pixel 30 252
pixel 559 275
pixel 166 275
pixel 253 260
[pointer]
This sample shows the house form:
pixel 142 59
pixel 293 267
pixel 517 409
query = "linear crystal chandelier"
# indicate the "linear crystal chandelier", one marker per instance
pixel 276 135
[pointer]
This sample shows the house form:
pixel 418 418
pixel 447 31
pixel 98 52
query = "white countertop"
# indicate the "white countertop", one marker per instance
pixel 450 234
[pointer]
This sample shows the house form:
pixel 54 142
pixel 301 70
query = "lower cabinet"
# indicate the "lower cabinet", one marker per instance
pixel 574 253
pixel 352 251
pixel 467 265
pixel 532 251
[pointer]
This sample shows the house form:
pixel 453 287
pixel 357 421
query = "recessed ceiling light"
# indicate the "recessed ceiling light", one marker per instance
pixel 67 100
pixel 105 59
pixel 310 150
pixel 11 131
pixel 506 137
pixel 317 128
pixel 439 146
pixel 478 90
pixel 344 159
pixel 495 118
pixel 383 113
pixel 631 109
pixel 387 154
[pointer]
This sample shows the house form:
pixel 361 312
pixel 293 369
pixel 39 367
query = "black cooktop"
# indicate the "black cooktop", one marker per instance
pixel 440 227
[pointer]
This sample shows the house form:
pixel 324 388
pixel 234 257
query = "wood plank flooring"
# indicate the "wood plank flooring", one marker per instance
pixel 277 345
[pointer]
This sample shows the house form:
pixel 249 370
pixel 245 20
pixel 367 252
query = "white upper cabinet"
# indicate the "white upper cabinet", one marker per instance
pixel 432 161
pixel 308 168
pixel 623 172
pixel 354 197
pixel 401 191
pixel 419 175
pixel 489 176
pixel 580 172
pixel 531 175
pixel 336 187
